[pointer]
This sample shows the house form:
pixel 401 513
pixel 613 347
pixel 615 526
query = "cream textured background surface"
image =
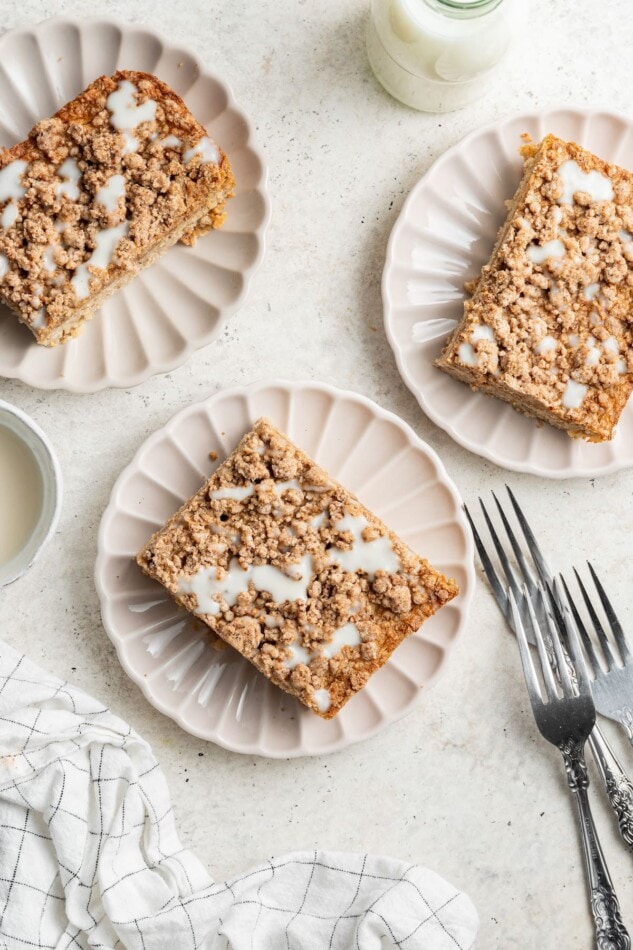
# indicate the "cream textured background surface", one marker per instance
pixel 465 783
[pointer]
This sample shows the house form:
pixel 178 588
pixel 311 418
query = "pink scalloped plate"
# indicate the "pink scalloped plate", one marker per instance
pixel 180 303
pixel 218 695
pixel 443 236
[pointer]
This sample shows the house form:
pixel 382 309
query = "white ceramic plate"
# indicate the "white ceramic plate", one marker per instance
pixel 217 694
pixel 181 302
pixel 444 234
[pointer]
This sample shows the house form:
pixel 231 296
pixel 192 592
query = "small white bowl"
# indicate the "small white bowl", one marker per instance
pixel 32 437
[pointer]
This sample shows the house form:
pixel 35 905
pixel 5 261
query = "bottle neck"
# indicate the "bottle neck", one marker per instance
pixel 463 9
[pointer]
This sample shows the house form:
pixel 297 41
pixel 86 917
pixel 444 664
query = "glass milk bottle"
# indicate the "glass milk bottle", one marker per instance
pixel 439 55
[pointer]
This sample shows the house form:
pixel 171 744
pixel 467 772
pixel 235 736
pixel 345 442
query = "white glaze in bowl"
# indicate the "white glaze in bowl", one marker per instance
pixel 43 454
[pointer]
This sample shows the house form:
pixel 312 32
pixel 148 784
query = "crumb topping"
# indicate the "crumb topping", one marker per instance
pixel 551 316
pixel 288 567
pixel 94 186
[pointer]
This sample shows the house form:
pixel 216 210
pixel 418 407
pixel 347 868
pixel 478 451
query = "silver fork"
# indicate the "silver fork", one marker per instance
pixel 566 721
pixel 612 690
pixel 616 783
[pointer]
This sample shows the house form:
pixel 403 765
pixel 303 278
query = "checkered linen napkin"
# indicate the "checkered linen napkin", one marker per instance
pixel 90 858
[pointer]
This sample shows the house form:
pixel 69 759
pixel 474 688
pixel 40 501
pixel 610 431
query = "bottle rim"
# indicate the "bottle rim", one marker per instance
pixel 463 9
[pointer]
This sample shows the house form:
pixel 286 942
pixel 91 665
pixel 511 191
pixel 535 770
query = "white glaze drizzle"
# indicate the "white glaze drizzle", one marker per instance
pixel 103 254
pixel 302 571
pixel 538 254
pixel 546 345
pixel 11 180
pixel 241 492
pixel 273 622
pixel 39 321
pixel 322 700
pixel 366 556
pixel 318 520
pixel 125 111
pixel 131 143
pixel 298 654
pixel 236 492
pixel 218 547
pixel 110 193
pixel 290 586
pixel 345 636
pixel 70 174
pixel 482 332
pixel 290 485
pixel 206 149
pixel 467 354
pixel 126 114
pixel 170 141
pixel 574 394
pixel 9 215
pixel 203 586
pixel 4 265
pixel 590 291
pixel 574 179
pixel 48 259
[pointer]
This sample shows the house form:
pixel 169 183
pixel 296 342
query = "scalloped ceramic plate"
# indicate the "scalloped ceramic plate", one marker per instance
pixel 182 301
pixel 444 234
pixel 218 695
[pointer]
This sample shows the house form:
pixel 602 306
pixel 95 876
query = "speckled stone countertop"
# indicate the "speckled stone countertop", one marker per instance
pixel 464 784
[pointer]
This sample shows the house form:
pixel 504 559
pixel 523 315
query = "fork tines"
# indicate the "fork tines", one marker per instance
pixel 529 671
pixel 528 576
pixel 607 646
pixel 553 660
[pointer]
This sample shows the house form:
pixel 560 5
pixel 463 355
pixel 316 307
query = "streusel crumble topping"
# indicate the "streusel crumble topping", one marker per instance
pixel 550 315
pixel 289 568
pixel 97 185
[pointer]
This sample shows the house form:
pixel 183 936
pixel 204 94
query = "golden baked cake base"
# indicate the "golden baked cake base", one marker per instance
pixel 290 569
pixel 99 191
pixel 549 325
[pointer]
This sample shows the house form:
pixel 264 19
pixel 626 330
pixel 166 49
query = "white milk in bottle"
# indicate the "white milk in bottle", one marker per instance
pixel 439 55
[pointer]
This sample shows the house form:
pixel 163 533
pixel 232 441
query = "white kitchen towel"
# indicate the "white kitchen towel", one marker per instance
pixel 89 855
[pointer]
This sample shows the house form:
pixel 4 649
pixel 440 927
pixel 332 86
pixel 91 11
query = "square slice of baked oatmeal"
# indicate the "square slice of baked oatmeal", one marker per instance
pixel 291 570
pixel 549 325
pixel 99 191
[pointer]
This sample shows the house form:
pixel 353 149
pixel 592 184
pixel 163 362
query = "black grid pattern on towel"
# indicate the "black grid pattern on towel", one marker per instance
pixel 87 832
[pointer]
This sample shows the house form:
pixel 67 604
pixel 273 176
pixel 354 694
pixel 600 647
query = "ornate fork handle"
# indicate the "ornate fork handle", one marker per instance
pixel 625 718
pixel 611 933
pixel 617 784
